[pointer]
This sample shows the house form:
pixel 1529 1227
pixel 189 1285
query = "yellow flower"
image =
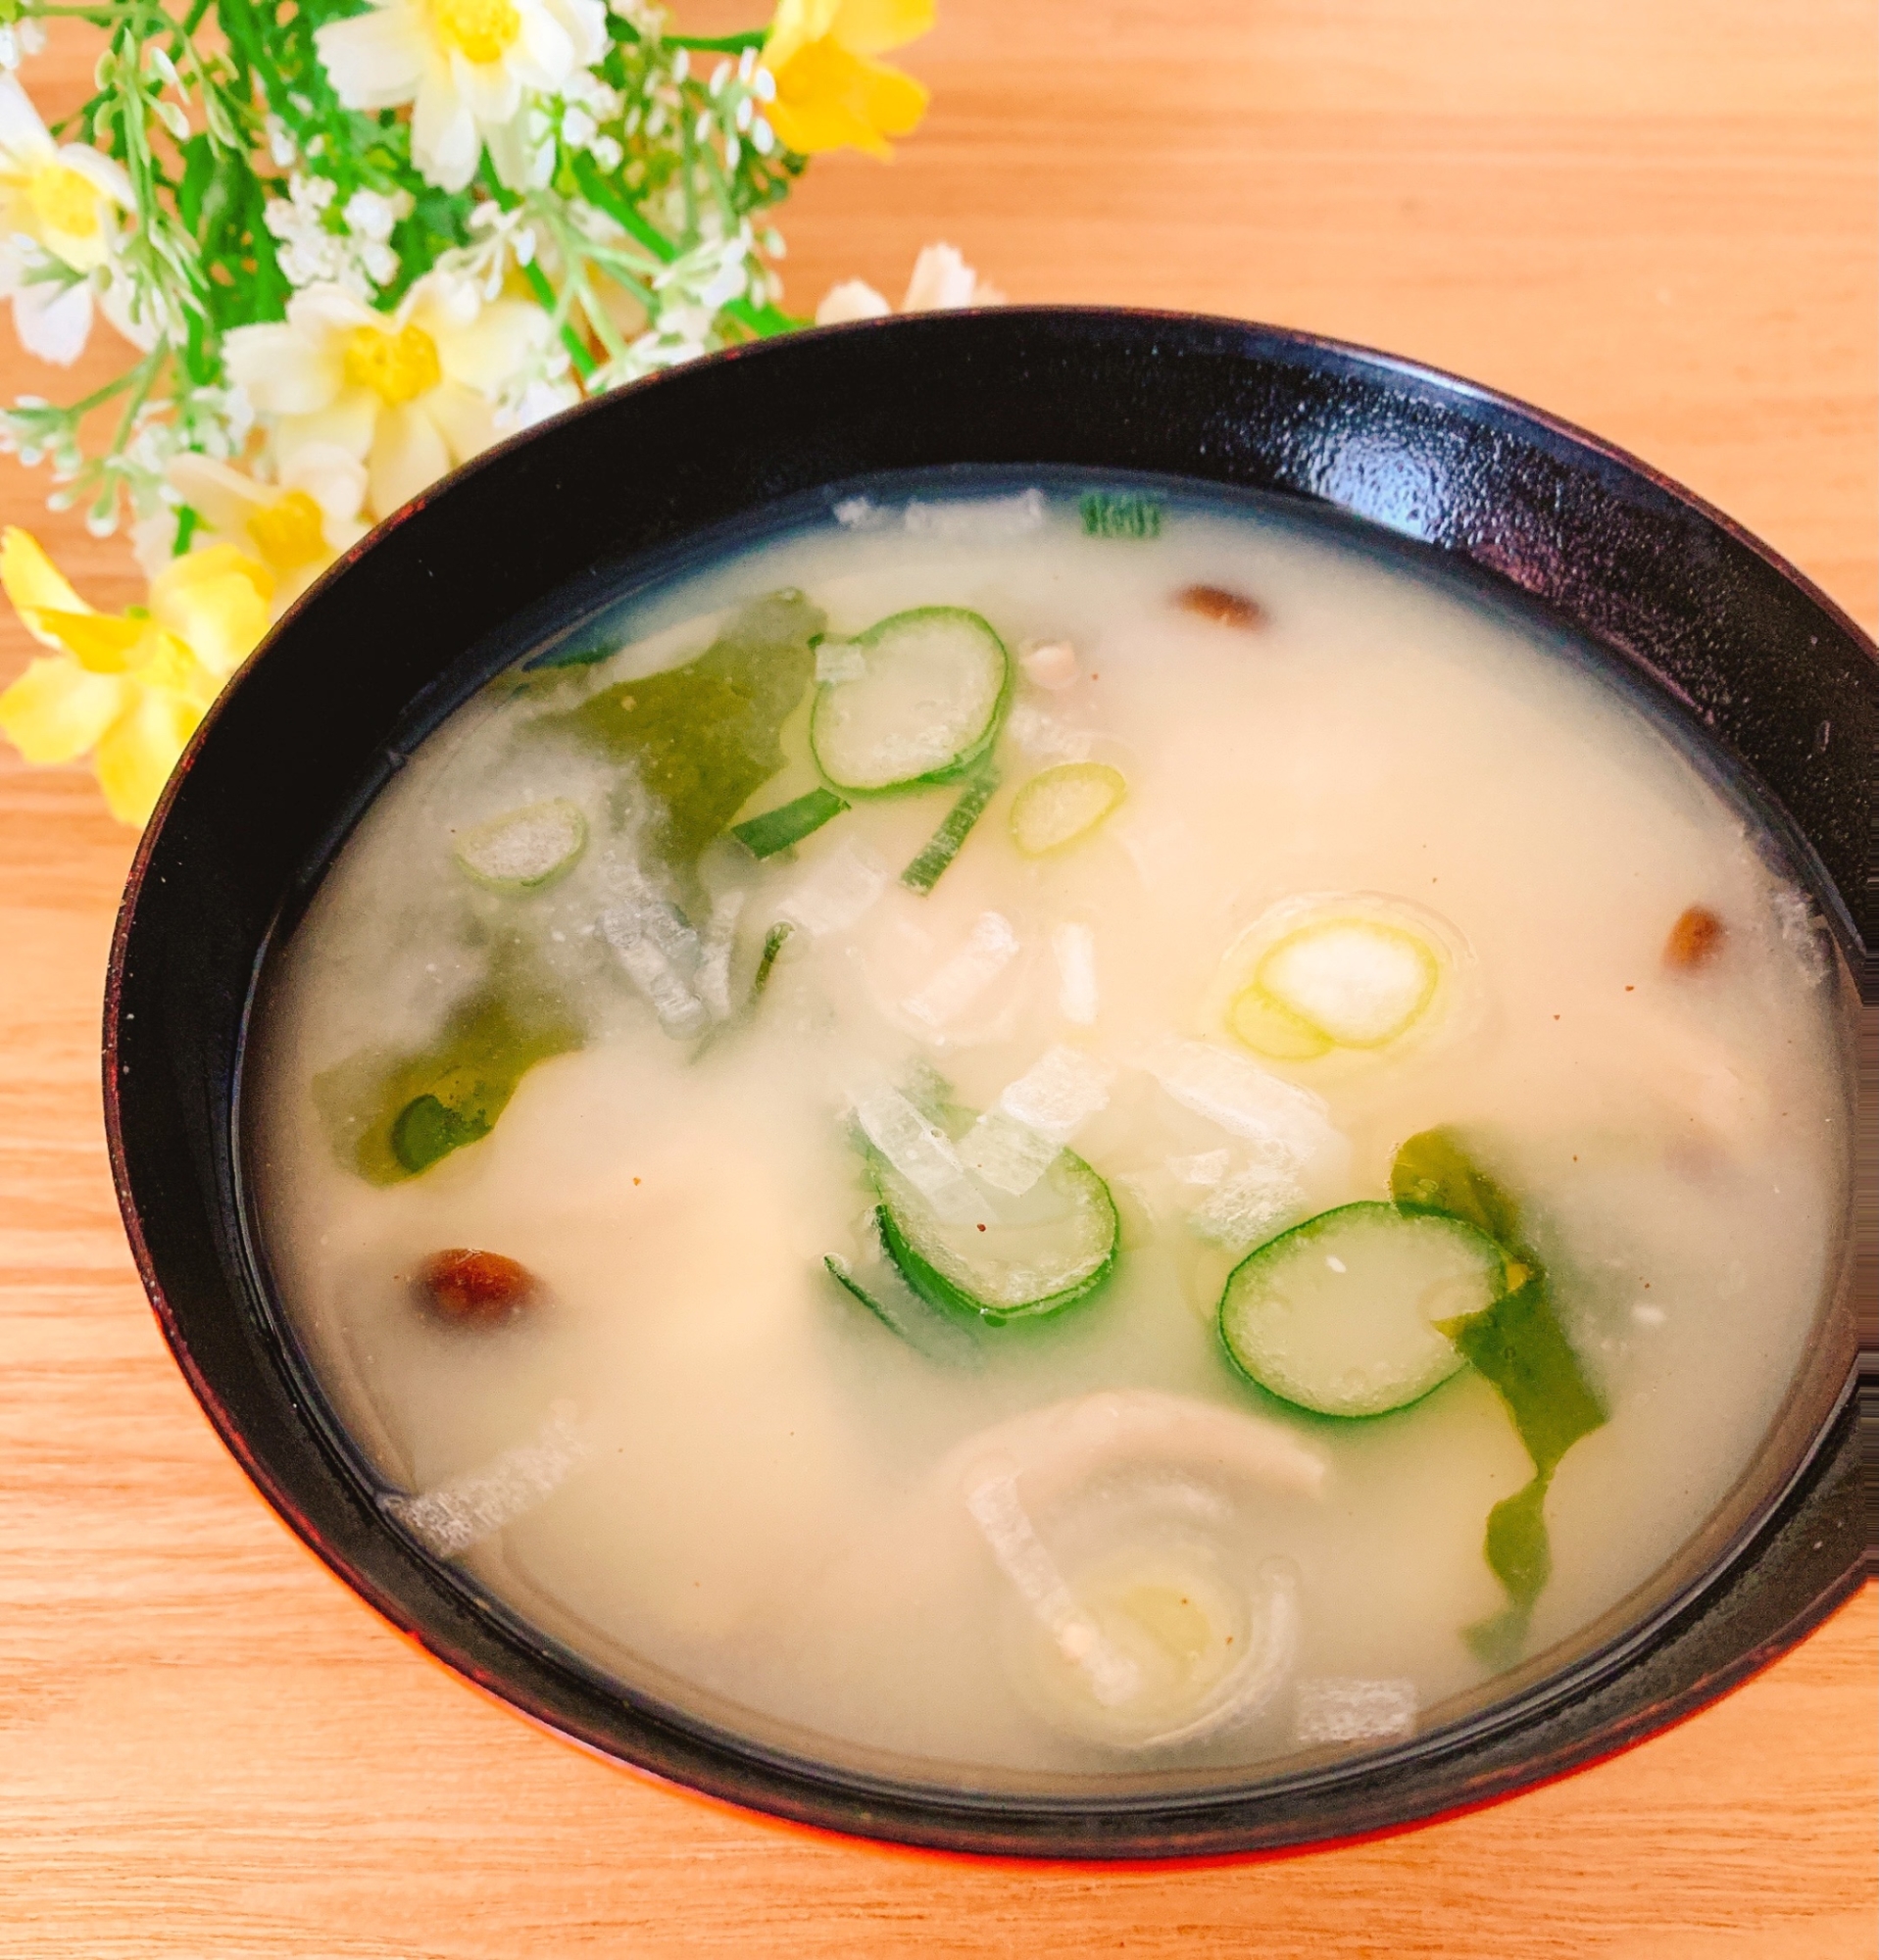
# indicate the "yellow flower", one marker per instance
pixel 829 93
pixel 296 526
pixel 127 687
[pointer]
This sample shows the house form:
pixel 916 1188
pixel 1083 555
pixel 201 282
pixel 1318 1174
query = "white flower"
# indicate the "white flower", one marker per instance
pixel 852 299
pixel 58 209
pixel 296 527
pixel 311 253
pixel 410 393
pixel 941 280
pixel 19 39
pixel 464 63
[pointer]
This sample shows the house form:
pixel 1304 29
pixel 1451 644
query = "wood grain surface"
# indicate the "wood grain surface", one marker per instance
pixel 1653 217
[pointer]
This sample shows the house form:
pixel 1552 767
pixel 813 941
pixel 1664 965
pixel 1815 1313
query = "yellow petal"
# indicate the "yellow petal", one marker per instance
pixel 216 601
pixel 828 99
pixel 169 665
pixel 794 25
pixel 872 27
pixel 101 641
pixel 56 711
pixel 31 579
pixel 140 748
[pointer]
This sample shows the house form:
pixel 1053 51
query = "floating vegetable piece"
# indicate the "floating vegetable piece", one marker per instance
pixel 526 849
pixel 393 1117
pixel 1695 940
pixel 789 824
pixel 1062 804
pixel 1434 1172
pixel 1342 1314
pixel 990 947
pixel 1021 1259
pixel 1357 982
pixel 474 1288
pixel 923 873
pixel 702 737
pixel 1224 608
pixel 1519 1346
pixel 1049 663
pixel 885 1294
pixel 1121 514
pixel 925 709
pixel 477 1504
pixel 773 941
pixel 1269 1028
pixel 1132 1620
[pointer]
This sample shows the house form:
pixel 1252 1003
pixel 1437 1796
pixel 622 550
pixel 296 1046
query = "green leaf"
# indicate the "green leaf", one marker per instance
pixel 703 738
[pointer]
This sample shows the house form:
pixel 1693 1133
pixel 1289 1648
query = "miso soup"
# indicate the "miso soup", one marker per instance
pixel 1027 1132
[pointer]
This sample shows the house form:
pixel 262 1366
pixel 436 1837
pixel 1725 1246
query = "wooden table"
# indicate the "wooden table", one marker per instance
pixel 1653 217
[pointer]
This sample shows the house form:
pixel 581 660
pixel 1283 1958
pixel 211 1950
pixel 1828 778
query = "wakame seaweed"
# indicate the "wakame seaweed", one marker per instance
pixel 1519 1347
pixel 702 737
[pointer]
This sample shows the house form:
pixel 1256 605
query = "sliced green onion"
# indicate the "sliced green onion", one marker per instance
pixel 789 824
pixel 923 873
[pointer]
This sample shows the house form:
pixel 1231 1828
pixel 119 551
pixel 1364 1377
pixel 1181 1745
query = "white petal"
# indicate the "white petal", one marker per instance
pixel 52 321
pixel 941 278
pixel 523 162
pixel 464 420
pixel 407 455
pixel 223 498
pixel 377 59
pixel 852 299
pixel 280 371
pixel 104 171
pixel 334 477
pixel 490 353
pixel 350 421
pixel 324 310
pixel 544 53
pixel 23 134
pixel 491 90
pixel 586 23
pixel 443 304
pixel 443 132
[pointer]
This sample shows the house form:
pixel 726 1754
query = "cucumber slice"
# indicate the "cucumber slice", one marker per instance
pixel 925 709
pixel 1063 803
pixel 880 1288
pixel 524 849
pixel 1020 1260
pixel 1337 1314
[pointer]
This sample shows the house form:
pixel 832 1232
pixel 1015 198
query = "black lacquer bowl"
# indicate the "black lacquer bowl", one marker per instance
pixel 1773 681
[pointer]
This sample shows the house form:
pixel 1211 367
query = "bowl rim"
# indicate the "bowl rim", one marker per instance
pixel 1205 1827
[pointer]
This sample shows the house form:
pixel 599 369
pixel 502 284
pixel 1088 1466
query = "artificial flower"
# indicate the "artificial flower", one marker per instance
pixel 296 526
pixel 830 94
pixel 59 207
pixel 128 688
pixel 941 281
pixel 463 65
pixel 410 393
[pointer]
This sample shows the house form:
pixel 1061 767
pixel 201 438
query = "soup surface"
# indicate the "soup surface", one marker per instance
pixel 1053 1132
